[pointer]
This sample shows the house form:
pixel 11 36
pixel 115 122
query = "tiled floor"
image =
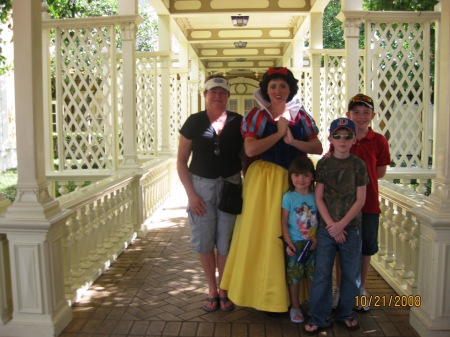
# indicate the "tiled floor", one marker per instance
pixel 156 288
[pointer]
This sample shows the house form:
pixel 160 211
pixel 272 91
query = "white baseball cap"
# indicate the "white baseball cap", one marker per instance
pixel 217 82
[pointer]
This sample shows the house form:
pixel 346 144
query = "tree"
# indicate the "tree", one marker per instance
pixel 147 35
pixel 333 34
pixel 5 18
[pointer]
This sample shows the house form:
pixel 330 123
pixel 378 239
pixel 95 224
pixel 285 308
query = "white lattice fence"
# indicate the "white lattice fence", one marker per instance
pixel 119 102
pixel 85 108
pixel 175 106
pixel 305 88
pixel 400 75
pixel 333 84
pixel 146 106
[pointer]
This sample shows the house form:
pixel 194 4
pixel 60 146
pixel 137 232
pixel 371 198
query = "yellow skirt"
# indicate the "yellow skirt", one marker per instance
pixel 254 273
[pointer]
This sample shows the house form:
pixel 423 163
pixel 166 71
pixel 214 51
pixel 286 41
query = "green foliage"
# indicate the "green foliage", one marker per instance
pixel 147 34
pixel 333 34
pixel 8 183
pixel 60 9
pixel 5 19
pixel 399 5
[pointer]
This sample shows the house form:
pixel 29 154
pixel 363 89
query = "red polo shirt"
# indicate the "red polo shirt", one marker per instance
pixel 374 150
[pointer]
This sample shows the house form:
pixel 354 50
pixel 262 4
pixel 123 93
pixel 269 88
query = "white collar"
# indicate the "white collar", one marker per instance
pixel 293 106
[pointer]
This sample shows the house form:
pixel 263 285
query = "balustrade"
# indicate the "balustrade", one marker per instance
pixel 397 259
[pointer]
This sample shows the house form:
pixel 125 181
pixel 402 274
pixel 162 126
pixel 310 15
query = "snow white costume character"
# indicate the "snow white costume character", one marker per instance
pixel 276 133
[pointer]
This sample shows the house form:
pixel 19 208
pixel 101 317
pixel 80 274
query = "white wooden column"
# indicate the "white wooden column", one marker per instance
pixel 351 23
pixel 31 222
pixel 183 61
pixel 194 83
pixel 315 57
pixel 165 44
pixel 130 158
pixel 432 318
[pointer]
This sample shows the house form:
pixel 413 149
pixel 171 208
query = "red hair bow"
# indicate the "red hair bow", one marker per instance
pixel 282 71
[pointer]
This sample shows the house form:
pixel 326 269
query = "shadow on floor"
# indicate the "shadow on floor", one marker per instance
pixel 156 288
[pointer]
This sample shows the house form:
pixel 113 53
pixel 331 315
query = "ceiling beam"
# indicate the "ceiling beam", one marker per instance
pixel 260 52
pixel 247 34
pixel 183 7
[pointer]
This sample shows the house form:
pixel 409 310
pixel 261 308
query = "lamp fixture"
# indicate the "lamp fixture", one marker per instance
pixel 240 44
pixel 239 20
pixel 240 59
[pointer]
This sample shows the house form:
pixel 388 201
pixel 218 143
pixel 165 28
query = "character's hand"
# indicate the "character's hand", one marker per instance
pixel 288 138
pixel 282 126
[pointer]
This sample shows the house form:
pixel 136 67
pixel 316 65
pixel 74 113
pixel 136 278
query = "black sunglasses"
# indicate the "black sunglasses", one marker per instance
pixel 347 136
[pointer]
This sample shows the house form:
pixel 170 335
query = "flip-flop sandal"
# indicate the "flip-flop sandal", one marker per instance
pixel 350 323
pixel 314 331
pixel 214 304
pixel 296 315
pixel 222 301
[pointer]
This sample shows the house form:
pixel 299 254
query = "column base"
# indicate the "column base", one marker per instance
pixel 38 326
pixel 427 328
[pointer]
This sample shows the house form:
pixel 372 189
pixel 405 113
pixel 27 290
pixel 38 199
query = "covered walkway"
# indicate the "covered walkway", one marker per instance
pixel 156 288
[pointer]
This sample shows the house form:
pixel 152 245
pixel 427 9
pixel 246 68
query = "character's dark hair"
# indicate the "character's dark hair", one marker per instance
pixel 289 78
pixel 300 165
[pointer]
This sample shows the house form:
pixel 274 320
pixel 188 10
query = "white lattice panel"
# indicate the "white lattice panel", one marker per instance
pixel 85 108
pixel 174 106
pixel 146 106
pixel 305 89
pixel 322 122
pixel 120 106
pixel 399 77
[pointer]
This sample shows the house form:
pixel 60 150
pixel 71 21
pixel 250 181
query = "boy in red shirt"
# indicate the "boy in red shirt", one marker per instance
pixel 373 148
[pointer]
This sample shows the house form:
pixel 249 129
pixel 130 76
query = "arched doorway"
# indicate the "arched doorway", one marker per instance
pixel 241 98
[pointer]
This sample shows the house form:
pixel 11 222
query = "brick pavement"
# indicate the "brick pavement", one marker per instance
pixel 156 288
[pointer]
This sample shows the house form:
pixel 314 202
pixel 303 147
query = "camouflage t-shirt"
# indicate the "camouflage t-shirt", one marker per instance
pixel 341 177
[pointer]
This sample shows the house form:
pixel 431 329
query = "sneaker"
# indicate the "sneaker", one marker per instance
pixel 296 315
pixel 363 293
pixel 336 293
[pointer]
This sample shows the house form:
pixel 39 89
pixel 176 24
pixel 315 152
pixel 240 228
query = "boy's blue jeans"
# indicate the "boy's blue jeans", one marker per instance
pixel 320 304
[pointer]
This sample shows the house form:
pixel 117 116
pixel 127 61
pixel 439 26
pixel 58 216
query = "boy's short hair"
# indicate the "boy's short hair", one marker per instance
pixel 360 99
pixel 342 123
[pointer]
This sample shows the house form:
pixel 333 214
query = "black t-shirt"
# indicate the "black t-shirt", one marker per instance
pixel 204 162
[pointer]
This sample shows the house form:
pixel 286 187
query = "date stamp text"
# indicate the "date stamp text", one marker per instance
pixel 401 301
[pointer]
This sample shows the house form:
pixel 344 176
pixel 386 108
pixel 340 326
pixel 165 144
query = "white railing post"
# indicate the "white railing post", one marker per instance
pixel 381 232
pixel 396 231
pixel 388 224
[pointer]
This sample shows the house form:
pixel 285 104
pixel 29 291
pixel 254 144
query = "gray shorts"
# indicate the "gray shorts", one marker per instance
pixel 215 228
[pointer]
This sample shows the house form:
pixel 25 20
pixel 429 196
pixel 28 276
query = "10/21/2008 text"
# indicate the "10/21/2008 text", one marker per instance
pixel 388 301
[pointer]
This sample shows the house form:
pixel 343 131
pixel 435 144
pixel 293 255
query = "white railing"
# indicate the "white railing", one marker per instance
pixel 99 222
pixel 398 258
pixel 106 217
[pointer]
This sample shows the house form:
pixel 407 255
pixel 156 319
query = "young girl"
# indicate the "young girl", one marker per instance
pixel 298 225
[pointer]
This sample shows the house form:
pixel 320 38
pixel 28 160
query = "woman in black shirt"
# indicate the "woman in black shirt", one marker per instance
pixel 214 140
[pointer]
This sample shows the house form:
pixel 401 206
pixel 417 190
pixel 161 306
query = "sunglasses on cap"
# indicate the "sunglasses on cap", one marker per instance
pixel 360 98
